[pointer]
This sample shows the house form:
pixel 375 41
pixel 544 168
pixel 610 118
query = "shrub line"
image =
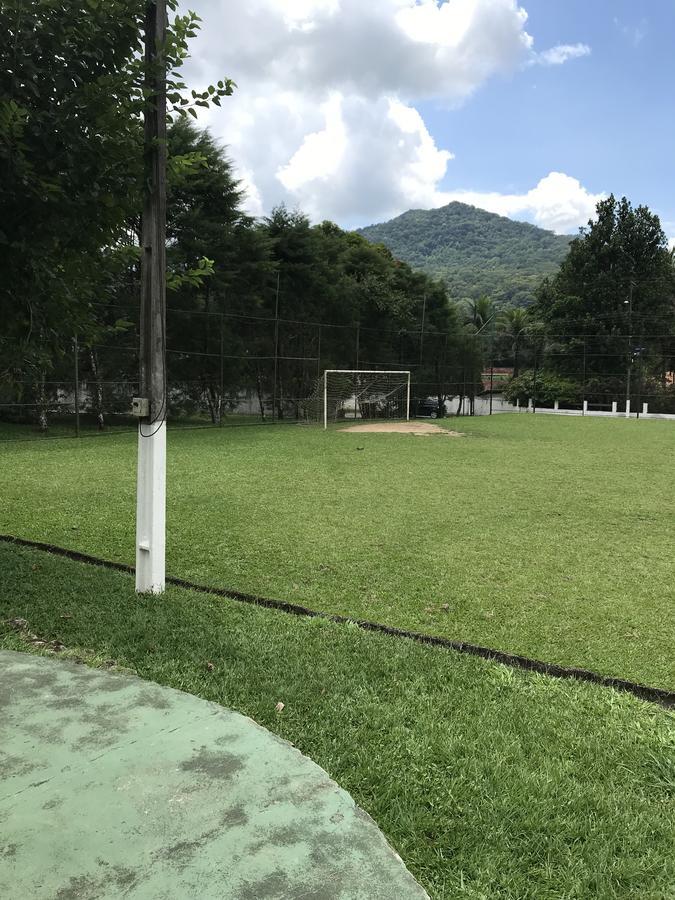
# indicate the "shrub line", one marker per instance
pixel 660 696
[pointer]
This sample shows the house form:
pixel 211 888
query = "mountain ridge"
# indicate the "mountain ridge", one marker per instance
pixel 473 251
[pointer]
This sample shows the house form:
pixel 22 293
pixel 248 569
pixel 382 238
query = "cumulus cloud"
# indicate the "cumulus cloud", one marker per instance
pixel 558 202
pixel 326 114
pixel 415 49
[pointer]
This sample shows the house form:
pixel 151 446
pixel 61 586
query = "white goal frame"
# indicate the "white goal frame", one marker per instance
pixel 328 372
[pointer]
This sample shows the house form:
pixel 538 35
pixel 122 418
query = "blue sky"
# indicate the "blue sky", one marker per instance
pixel 607 119
pixel 356 110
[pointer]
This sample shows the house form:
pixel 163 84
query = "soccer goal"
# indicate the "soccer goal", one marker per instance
pixel 360 394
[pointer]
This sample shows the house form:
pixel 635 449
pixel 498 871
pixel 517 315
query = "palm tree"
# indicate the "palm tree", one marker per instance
pixel 513 323
pixel 479 313
pixel 477 317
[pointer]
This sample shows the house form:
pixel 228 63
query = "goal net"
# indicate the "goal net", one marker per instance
pixel 359 394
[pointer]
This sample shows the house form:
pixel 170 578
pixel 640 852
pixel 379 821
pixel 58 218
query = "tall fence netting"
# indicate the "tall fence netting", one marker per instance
pixel 231 369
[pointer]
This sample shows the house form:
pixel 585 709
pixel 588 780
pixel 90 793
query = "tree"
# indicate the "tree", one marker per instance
pixel 479 313
pixel 615 287
pixel 71 99
pixel 512 326
pixel 205 221
pixel 544 388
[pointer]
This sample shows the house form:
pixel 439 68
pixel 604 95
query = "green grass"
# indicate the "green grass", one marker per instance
pixel 491 783
pixel 544 536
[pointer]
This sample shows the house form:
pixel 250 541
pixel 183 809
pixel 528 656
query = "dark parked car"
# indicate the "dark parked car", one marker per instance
pixel 425 408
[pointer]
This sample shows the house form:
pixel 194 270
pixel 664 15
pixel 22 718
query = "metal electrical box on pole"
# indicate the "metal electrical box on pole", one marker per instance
pixel 150 406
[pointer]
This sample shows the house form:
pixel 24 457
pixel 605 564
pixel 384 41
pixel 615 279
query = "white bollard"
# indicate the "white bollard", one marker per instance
pixel 517 405
pixel 627 409
pixel 645 409
pixel 615 407
pixel 556 405
pixel 530 405
pixel 585 409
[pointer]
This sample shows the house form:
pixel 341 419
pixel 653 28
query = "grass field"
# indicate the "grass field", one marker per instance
pixel 544 536
pixel 491 783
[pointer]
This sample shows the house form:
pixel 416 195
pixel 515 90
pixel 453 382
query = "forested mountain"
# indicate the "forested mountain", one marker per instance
pixel 475 252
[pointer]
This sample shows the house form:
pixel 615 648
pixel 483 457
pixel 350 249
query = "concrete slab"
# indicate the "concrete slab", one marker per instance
pixel 117 787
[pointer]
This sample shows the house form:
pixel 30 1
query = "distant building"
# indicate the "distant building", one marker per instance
pixel 496 378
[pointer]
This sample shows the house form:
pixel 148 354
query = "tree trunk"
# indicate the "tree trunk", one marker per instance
pixel 515 360
pixel 98 391
pixel 259 391
pixel 42 403
pixel 215 402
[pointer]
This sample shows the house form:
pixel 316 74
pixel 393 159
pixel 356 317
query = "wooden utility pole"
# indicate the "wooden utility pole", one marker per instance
pixel 150 407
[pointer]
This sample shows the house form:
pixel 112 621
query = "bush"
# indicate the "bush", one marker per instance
pixel 548 388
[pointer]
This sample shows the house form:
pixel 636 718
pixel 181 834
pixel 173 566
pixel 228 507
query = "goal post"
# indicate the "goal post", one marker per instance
pixel 362 394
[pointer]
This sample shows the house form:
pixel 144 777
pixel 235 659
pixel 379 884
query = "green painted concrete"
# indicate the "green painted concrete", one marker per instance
pixel 117 787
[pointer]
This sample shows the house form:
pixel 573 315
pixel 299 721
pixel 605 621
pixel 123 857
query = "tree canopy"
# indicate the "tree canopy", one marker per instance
pixel 71 101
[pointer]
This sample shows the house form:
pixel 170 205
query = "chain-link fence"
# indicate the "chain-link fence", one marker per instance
pixel 230 369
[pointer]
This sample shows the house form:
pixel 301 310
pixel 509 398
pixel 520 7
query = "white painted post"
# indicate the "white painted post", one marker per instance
pixel 407 401
pixel 585 409
pixel 615 407
pixel 530 405
pixel 645 409
pixel 627 409
pixel 325 399
pixel 151 507
pixel 517 404
pixel 556 405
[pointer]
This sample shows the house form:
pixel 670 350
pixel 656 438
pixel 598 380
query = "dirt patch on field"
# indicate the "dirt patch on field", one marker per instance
pixel 425 429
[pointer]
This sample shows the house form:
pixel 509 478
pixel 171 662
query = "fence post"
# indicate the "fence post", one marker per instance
pixel 318 355
pixel 583 387
pixel 492 380
pixel 615 406
pixel 585 408
pixel 556 405
pixel 76 350
pixel 424 313
pixel 276 348
pixel 627 414
pixel 534 383
pixel 222 380
pixel 463 385
pixel 645 409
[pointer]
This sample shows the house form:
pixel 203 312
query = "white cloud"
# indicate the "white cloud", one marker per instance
pixel 558 202
pixel 325 115
pixel 321 153
pixel 558 55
